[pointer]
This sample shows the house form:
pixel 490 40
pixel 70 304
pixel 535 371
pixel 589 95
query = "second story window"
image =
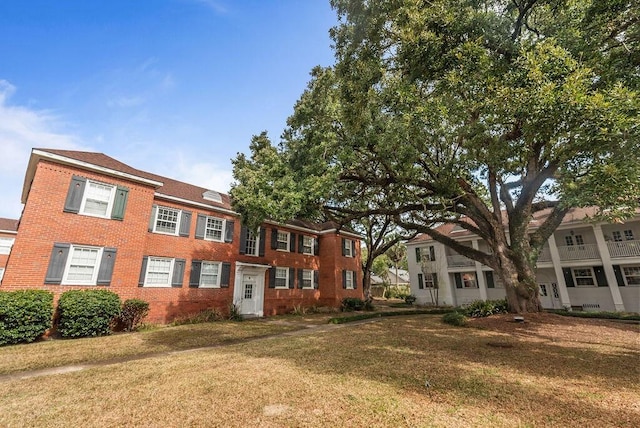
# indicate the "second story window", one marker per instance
pixel 6 244
pixel 98 199
pixel 214 229
pixel 283 241
pixel 307 245
pixel 348 247
pixel 167 220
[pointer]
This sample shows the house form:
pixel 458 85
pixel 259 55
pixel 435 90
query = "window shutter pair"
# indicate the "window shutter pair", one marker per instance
pixel 353 279
pixel 201 225
pixel 420 280
pixel 75 195
pixel 196 269
pixel 58 262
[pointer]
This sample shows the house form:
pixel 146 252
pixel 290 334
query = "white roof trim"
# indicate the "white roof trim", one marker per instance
pixel 196 204
pixel 93 167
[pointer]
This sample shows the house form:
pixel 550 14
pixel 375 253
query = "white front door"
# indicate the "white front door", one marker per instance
pixel 248 293
pixel 248 302
pixel 550 296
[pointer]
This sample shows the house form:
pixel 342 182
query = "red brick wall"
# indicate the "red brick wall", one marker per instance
pixel 43 223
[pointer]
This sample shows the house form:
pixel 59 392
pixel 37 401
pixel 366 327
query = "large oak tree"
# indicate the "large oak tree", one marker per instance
pixel 477 113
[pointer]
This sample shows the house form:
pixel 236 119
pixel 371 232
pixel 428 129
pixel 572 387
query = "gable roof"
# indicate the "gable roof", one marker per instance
pixel 8 225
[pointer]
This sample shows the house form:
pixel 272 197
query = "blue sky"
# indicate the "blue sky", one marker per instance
pixel 174 87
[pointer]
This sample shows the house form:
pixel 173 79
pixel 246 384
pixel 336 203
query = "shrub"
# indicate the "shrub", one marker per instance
pixel 132 313
pixel 234 312
pixel 85 313
pixel 398 292
pixel 352 304
pixel 482 308
pixel 207 315
pixel 410 299
pixel 455 318
pixel 24 315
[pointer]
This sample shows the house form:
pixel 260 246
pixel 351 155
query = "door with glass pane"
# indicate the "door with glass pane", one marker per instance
pixel 249 296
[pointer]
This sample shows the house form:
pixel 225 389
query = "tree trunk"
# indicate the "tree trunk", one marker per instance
pixel 366 281
pixel 520 286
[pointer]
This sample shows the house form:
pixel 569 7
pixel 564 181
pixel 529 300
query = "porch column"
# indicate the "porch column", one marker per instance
pixel 482 285
pixel 608 268
pixel 557 268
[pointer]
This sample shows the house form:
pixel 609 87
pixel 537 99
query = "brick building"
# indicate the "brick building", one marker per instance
pixel 92 221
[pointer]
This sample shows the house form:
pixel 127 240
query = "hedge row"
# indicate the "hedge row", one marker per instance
pixel 26 315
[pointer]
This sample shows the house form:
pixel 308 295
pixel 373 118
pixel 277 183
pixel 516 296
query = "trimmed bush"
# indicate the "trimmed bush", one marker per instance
pixel 84 313
pixel 132 313
pixel 24 315
pixel 455 318
pixel 482 308
pixel 352 304
pixel 410 299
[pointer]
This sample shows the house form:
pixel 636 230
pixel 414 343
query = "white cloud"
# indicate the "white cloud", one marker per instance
pixel 22 129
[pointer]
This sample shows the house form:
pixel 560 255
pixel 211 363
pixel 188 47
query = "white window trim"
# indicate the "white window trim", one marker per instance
pixel 427 280
pixel 256 249
pixel 626 281
pixel 348 246
pixel 6 249
pixel 112 197
pixel 311 285
pixel 575 278
pixel 286 278
pixel 349 285
pixel 217 284
pixel 288 241
pixel 1 274
pixel 155 221
pixel 96 268
pixel 311 246
pixel 146 273
pixel 222 232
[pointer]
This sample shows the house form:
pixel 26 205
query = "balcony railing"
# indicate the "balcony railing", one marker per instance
pixel 459 261
pixel 579 252
pixel 624 249
pixel 545 255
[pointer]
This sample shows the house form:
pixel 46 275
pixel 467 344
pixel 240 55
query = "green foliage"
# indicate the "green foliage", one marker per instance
pixel 398 292
pixel 455 318
pixel 132 313
pixel 84 313
pixel 410 299
pixel 234 312
pixel 24 315
pixel 484 308
pixel 352 304
pixel 207 315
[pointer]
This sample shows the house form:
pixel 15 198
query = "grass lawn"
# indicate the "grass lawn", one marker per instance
pixel 550 371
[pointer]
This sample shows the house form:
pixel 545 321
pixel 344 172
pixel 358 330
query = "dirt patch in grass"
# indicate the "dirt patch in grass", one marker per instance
pixel 400 371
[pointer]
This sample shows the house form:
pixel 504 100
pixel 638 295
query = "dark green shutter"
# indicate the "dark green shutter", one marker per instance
pixel 143 271
pixel 418 255
pixel 434 276
pixel 292 242
pixel 194 276
pixel 489 276
pixel 228 231
pixel 619 277
pixel 568 277
pixel 316 246
pixel 261 243
pixel 300 278
pixel 292 277
pixel 152 219
pixel 57 263
pixel 201 224
pixel 75 194
pixel 344 278
pixel 185 223
pixel 354 278
pixel 106 266
pixel 120 203
pixel 353 249
pixel 601 277
pixel 316 279
pixel 178 272
pixel 344 242
pixel 420 282
pixel 301 243
pixel 272 277
pixel 274 238
pixel 458 279
pixel 243 239
pixel 225 276
pixel 432 253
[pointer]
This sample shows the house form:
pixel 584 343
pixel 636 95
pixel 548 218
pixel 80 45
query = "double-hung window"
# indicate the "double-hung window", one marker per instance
pixel 349 281
pixel 80 265
pixel 632 274
pixel 6 244
pixel 159 272
pixel 282 278
pixel 347 247
pixel 167 220
pixel 98 199
pixel 210 275
pixel 584 277
pixel 283 241
pixel 214 229
pixel 307 279
pixel 307 245
pixel 251 243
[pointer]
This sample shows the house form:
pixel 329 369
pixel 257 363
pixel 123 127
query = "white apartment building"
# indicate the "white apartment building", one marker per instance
pixel 583 265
